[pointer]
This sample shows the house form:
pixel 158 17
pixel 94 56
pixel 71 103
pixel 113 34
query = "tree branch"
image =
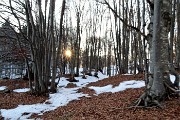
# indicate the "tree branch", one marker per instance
pixel 121 19
pixel 150 3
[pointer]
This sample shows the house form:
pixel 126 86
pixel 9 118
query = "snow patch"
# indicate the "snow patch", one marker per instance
pixel 122 86
pixel 22 90
pixel 3 87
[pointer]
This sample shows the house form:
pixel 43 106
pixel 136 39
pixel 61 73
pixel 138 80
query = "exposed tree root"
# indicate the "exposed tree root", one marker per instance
pixel 144 101
pixel 139 100
pixel 147 100
pixel 158 104
pixel 171 88
pixel 151 99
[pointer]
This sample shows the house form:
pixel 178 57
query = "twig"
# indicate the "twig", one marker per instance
pixel 115 108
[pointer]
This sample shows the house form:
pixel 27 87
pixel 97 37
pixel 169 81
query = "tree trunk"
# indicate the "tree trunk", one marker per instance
pixel 54 65
pixel 178 36
pixel 160 85
pixel 171 41
pixel 56 55
pixel 140 50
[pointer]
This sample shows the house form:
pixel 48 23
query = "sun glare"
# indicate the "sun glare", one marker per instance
pixel 68 53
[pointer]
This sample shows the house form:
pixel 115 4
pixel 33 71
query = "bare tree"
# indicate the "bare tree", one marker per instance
pixel 178 36
pixel 158 81
pixel 41 39
pixel 171 41
pixel 159 86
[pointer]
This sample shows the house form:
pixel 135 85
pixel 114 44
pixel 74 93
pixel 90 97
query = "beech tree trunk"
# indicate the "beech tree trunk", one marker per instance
pixel 178 36
pixel 159 86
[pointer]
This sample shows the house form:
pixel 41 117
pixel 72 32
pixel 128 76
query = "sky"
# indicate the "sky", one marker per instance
pixel 87 7
pixel 66 95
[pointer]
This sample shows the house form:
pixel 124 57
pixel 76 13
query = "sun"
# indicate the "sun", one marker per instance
pixel 68 53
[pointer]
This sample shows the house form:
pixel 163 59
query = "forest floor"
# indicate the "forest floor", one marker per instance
pixel 105 106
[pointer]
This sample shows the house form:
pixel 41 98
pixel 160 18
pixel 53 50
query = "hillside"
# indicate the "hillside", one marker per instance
pixel 105 106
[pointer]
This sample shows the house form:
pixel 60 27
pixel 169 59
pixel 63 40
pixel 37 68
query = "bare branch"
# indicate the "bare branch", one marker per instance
pixel 150 3
pixel 122 20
